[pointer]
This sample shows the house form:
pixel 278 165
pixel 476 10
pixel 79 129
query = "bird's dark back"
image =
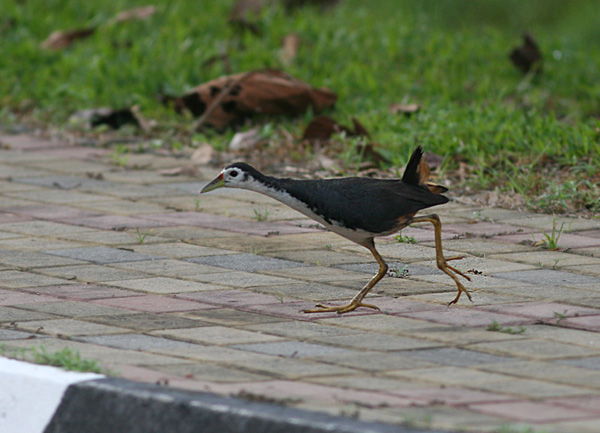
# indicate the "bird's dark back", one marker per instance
pixel 373 205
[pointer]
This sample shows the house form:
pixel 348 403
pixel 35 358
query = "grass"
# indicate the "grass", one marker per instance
pixel 536 136
pixel 550 241
pixel 65 358
pixel 496 327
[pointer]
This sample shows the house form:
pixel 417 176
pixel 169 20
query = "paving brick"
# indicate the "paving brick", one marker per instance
pixel 542 310
pixel 9 297
pixel 549 277
pixel 296 349
pixel 69 327
pixel 84 273
pixel 534 412
pixel 535 349
pixel 592 362
pixel 16 315
pixel 231 317
pixel 102 255
pixel 110 237
pixel 534 389
pixel 589 323
pixel 555 372
pixel 55 196
pixel 146 321
pixel 53 212
pixel 179 250
pixel 153 304
pixel 245 262
pixel 81 292
pixel 378 362
pixel 466 317
pixel 553 259
pixel 370 341
pixel 321 257
pixel 117 222
pixel 164 285
pixel 8 334
pixel 566 240
pixel 168 268
pixel 313 292
pixel 455 356
pixel 36 244
pixel 72 308
pixel 449 376
pixel 230 298
pixel 17 279
pixel 34 259
pixel 301 330
pixel 239 279
pixel 41 228
pixel 589 403
pixel 219 335
pixel 212 373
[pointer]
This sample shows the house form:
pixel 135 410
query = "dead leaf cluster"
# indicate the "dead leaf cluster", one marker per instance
pixel 62 39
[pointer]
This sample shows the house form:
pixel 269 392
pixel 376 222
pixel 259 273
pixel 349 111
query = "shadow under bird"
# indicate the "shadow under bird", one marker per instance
pixel 357 208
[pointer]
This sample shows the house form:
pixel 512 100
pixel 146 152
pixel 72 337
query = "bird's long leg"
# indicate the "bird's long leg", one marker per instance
pixel 357 300
pixel 442 263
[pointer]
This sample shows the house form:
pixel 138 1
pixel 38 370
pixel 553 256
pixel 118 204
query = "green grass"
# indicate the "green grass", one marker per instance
pixel 496 327
pixel 537 136
pixel 66 358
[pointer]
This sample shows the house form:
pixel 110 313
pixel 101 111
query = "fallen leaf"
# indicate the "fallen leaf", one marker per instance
pixel 290 48
pixel 244 15
pixel 186 170
pixel 113 118
pixel 203 154
pixel 407 109
pixel 245 140
pixel 527 56
pixel 323 127
pixel 63 38
pixel 290 5
pixel 232 98
pixel 140 13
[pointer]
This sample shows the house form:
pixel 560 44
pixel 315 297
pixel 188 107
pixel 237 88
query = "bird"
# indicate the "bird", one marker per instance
pixel 356 208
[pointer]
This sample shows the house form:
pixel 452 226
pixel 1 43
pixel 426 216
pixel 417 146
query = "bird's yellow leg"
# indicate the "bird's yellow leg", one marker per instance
pixel 442 263
pixel 357 300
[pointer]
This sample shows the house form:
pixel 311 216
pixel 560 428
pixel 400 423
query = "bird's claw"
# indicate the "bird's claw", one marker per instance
pixel 340 309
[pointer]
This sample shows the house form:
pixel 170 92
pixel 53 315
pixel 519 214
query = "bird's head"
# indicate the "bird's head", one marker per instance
pixel 237 175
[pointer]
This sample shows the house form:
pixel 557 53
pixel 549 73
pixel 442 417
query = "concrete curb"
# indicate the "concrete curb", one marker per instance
pixel 30 394
pixel 118 405
pixel 36 398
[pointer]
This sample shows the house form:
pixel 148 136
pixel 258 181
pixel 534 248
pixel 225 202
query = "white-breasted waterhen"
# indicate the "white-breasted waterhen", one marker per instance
pixel 357 208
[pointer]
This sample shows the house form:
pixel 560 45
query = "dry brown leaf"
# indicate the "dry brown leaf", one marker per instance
pixel 63 38
pixel 186 170
pixel 245 140
pixel 244 15
pixel 203 154
pixel 140 13
pixel 232 98
pixel 290 48
pixel 114 118
pixel 527 56
pixel 407 109
pixel 323 127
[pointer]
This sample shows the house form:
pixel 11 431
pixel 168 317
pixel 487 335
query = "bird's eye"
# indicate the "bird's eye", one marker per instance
pixel 233 173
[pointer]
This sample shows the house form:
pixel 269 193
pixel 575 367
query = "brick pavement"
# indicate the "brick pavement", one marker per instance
pixel 133 269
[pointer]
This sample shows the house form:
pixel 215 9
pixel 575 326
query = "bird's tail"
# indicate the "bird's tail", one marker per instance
pixel 417 172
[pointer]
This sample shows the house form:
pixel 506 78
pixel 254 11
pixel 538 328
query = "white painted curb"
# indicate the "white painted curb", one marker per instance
pixel 30 394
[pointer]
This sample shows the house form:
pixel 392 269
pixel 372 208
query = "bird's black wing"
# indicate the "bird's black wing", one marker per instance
pixel 373 205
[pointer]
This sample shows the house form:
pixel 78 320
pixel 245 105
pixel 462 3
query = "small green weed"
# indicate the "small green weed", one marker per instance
pixel 261 215
pixel 405 239
pixel 120 155
pixel 496 327
pixel 560 316
pixel 141 237
pixel 65 358
pixel 398 272
pixel 551 239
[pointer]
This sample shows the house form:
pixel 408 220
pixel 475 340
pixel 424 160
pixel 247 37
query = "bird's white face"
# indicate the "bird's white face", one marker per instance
pixel 231 177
